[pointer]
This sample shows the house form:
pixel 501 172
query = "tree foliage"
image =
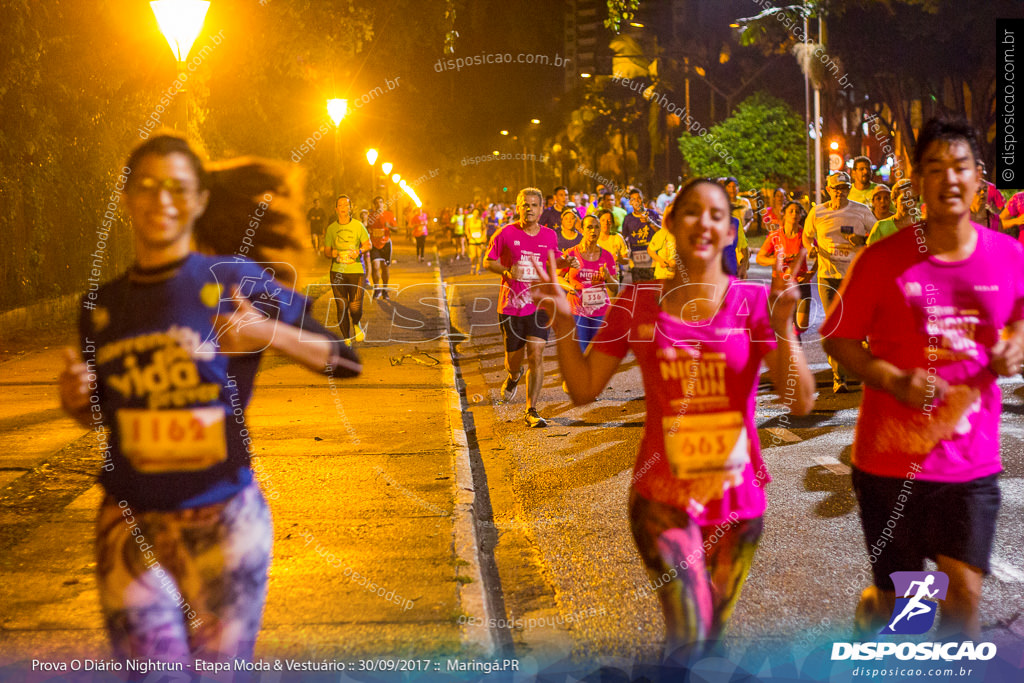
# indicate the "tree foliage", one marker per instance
pixel 898 52
pixel 620 12
pixel 762 142
pixel 81 80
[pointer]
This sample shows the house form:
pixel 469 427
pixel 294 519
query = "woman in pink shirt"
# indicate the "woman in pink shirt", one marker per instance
pixel 697 496
pixel 588 283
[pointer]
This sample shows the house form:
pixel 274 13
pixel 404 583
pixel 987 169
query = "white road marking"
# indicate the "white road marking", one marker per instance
pixel 1006 572
pixel 832 465
pixel 784 434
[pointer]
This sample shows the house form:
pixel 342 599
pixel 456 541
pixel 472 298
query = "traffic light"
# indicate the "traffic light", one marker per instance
pixel 504 189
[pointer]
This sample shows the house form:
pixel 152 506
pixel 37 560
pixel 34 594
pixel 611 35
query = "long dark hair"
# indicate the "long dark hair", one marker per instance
pixel 801 216
pixel 255 205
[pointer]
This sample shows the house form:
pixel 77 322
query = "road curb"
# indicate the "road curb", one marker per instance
pixel 476 634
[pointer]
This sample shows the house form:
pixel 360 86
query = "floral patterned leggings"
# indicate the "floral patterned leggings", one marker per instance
pixel 184 584
pixel 697 571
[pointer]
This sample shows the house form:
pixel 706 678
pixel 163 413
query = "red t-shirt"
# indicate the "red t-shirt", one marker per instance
pixel 380 228
pixel 419 224
pixel 778 242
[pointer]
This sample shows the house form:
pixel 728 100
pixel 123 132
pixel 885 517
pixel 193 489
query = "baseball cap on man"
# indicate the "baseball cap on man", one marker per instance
pixel 880 188
pixel 838 179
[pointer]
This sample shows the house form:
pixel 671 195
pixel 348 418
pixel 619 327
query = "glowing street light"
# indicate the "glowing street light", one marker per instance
pixel 386 167
pixel 535 121
pixel 504 132
pixel 495 152
pixel 180 21
pixel 585 75
pixel 371 158
pixel 834 145
pixel 337 109
pixel 395 178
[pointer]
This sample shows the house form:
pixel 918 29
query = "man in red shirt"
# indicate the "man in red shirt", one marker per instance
pixel 381 222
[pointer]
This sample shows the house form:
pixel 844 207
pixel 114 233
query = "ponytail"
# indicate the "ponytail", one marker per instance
pixel 254 210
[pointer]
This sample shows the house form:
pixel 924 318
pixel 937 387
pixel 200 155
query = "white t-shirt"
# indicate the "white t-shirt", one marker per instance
pixel 840 235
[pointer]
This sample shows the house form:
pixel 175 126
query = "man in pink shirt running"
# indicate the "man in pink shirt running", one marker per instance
pixel 516 252
pixel 941 305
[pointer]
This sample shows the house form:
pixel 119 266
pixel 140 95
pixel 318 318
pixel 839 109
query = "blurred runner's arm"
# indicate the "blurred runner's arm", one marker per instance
pixel 247 330
pixel 912 386
pixel 766 255
pixel 73 385
pixel 1007 355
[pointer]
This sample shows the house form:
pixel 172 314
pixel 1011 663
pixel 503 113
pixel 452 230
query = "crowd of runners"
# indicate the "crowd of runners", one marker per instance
pixel 924 308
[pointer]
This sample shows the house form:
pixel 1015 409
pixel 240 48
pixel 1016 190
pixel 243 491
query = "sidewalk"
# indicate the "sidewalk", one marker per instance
pixel 373 552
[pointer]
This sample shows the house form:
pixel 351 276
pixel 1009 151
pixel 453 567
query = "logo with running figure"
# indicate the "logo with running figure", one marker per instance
pixel 914 612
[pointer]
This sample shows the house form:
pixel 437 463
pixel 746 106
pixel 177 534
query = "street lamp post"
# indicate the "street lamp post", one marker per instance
pixel 533 161
pixel 395 178
pixel 180 21
pixel 336 109
pixel 386 169
pixel 371 158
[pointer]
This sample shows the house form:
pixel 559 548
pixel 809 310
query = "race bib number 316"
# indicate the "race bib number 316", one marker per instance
pixel 159 441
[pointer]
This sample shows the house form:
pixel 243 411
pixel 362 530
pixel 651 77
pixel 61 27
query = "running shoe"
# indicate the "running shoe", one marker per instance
pixel 384 295
pixel 533 419
pixel 359 335
pixel 376 294
pixel 509 387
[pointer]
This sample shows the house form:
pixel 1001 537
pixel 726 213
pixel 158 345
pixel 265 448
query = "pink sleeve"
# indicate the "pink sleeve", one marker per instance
pixel 497 246
pixel 1014 205
pixel 553 245
pixel 852 311
pixel 996 197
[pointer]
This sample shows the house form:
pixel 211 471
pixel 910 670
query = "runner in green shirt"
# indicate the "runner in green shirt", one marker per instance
pixel 345 243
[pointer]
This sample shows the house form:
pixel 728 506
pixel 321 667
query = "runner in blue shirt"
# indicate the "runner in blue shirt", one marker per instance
pixel 169 352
